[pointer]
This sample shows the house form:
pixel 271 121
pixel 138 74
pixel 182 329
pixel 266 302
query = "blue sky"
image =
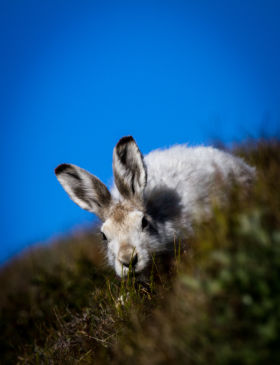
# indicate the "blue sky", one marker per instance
pixel 76 76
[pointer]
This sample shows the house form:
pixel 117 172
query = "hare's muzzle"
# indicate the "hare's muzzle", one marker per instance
pixel 127 256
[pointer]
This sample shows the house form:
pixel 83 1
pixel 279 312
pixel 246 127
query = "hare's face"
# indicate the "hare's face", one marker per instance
pixel 127 239
pixel 125 226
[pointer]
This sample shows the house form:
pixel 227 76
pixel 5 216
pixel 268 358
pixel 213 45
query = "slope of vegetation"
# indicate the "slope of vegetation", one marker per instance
pixel 219 303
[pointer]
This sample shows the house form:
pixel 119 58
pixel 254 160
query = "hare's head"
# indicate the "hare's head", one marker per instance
pixel 126 228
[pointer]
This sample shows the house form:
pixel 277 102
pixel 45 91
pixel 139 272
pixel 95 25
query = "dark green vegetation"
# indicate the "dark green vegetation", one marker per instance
pixel 218 304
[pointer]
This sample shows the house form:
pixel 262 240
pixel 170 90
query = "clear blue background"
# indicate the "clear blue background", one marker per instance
pixel 75 76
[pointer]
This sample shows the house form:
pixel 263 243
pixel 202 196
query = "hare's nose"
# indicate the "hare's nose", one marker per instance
pixel 128 256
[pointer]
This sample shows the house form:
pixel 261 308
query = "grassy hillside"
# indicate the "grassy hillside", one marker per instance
pixel 219 303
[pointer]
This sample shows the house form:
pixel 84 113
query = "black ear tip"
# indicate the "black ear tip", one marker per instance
pixel 125 140
pixel 60 168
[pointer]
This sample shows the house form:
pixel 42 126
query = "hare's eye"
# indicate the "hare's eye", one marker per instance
pixel 103 236
pixel 144 223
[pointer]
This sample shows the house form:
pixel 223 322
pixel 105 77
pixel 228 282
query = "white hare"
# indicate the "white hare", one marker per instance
pixel 155 198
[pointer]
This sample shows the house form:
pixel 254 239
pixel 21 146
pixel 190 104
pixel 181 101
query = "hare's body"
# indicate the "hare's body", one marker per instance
pixel 155 198
pixel 182 185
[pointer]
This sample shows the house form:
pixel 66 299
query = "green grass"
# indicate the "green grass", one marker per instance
pixel 218 303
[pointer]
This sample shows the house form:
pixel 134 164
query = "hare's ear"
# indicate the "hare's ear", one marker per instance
pixel 84 189
pixel 129 169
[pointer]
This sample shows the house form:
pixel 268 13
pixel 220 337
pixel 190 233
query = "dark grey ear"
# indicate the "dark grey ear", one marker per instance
pixel 129 169
pixel 84 189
